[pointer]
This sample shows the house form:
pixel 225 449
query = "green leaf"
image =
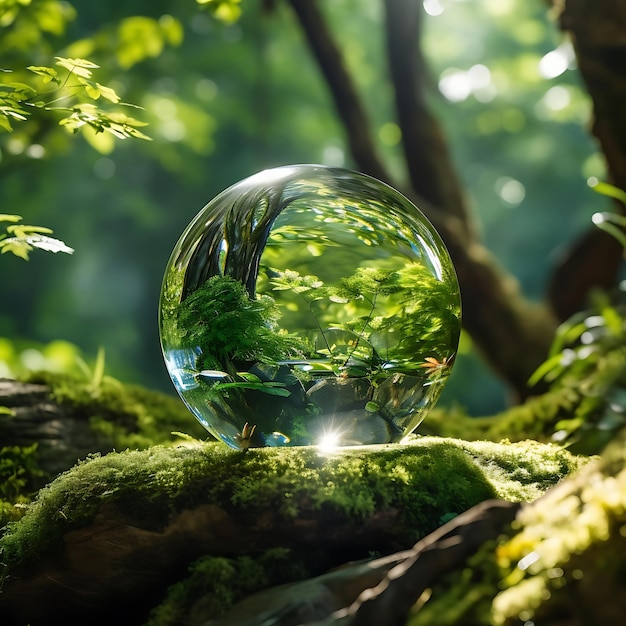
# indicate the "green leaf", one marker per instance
pixel 4 217
pixel 49 244
pixel 609 190
pixel 18 247
pixel 549 367
pixel 91 89
pixel 108 93
pixel 79 67
pixel 607 222
pixel 23 230
pixel 14 113
pixel 268 388
pixel 17 91
pixel 4 123
pixel 49 73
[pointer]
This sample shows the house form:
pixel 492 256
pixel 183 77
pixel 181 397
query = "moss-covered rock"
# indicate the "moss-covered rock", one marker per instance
pixel 561 564
pixel 127 525
pixel 565 563
pixel 52 420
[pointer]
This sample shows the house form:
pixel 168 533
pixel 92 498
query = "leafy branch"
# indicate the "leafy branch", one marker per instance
pixel 21 239
pixel 365 285
pixel 75 86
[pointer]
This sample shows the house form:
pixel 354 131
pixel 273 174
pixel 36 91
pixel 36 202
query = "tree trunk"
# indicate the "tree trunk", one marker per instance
pixel 598 33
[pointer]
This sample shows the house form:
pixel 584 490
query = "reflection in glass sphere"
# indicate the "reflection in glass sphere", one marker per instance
pixel 309 305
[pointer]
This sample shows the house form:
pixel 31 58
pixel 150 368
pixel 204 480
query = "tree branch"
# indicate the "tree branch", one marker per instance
pixel 347 102
pixel 431 172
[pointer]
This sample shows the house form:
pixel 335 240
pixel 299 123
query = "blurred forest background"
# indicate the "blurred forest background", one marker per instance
pixel 227 95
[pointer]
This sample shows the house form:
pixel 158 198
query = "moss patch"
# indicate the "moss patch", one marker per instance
pixel 425 482
pixel 214 584
pixel 565 562
pixel 561 562
pixel 124 415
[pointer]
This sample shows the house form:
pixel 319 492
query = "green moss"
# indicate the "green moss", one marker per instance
pixel 537 418
pixel 560 563
pixel 214 584
pixel 124 416
pixel 127 416
pixel 425 482
pixel 566 556
pixel 19 473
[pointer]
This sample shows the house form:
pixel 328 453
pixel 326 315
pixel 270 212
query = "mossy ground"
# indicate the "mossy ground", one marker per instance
pixel 429 481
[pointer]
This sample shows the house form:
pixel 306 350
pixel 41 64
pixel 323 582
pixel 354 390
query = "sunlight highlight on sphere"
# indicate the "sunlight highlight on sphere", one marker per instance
pixel 309 305
pixel 328 442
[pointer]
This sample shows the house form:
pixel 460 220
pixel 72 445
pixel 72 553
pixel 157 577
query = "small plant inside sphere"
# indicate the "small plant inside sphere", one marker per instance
pixel 309 305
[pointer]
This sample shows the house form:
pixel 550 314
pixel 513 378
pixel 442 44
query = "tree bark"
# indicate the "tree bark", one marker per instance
pixel 432 175
pixel 377 591
pixel 598 34
pixel 347 101
pixel 62 434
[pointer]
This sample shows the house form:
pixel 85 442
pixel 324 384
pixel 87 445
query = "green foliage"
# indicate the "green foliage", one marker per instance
pixel 27 23
pixel 75 87
pixel 227 11
pixel 418 308
pixel 588 358
pixel 232 328
pixel 233 99
pixel 20 239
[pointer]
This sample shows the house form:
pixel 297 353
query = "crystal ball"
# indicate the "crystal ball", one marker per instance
pixel 309 305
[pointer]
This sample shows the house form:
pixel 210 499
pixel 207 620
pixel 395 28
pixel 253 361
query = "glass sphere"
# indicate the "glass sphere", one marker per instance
pixel 309 305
